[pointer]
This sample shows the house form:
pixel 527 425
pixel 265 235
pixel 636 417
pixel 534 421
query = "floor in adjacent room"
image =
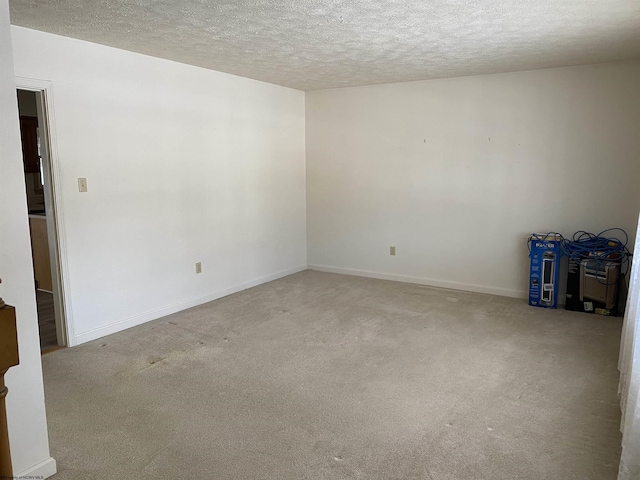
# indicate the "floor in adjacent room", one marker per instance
pixel 323 376
pixel 46 320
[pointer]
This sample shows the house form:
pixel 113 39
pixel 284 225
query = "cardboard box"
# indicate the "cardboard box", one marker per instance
pixel 544 274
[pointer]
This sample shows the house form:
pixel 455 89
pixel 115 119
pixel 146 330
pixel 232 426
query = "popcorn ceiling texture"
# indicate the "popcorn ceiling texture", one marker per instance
pixel 315 44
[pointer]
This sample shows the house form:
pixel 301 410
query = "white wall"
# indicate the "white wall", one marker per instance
pixel 629 387
pixel 25 401
pixel 183 165
pixel 455 173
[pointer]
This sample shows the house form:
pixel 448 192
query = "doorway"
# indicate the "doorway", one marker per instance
pixel 42 219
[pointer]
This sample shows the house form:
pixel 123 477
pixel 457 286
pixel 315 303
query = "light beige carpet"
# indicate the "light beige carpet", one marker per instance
pixel 322 376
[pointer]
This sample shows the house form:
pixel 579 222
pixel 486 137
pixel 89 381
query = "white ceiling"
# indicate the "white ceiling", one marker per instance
pixel 313 44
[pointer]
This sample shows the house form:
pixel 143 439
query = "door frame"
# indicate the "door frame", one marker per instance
pixel 53 201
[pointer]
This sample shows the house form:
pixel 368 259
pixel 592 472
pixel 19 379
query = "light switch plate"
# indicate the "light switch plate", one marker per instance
pixel 392 251
pixel 82 184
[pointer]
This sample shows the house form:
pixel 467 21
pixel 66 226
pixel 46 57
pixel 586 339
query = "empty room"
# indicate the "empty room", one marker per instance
pixel 320 240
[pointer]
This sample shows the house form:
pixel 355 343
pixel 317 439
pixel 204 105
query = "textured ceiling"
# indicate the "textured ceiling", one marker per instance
pixel 313 44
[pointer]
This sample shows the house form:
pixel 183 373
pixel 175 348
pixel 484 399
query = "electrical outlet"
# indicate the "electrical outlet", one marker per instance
pixel 82 184
pixel 392 251
pixel 198 267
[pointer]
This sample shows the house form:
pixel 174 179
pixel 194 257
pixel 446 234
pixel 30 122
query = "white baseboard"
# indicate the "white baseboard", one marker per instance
pixel 467 287
pixel 42 470
pixel 177 307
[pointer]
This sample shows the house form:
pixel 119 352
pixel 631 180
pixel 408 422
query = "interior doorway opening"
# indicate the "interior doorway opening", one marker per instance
pixel 42 221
